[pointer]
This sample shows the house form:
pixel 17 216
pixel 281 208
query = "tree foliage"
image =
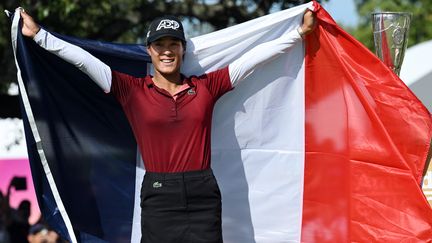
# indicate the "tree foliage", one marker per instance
pixel 421 22
pixel 126 20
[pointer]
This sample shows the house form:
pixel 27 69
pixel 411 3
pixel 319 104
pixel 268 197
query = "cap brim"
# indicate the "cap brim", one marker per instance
pixel 161 35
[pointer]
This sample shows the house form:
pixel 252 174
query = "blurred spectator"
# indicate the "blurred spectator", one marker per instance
pixel 4 235
pixel 41 233
pixel 14 223
pixel 18 224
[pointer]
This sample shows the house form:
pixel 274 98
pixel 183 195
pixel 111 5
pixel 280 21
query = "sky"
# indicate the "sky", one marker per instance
pixel 343 11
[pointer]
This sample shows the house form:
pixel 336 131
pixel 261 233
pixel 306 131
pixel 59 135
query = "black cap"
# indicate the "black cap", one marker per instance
pixel 165 26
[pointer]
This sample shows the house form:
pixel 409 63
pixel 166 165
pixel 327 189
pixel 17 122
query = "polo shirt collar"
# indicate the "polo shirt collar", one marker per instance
pixel 149 81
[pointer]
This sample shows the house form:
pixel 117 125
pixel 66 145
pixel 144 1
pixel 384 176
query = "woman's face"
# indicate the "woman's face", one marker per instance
pixel 167 55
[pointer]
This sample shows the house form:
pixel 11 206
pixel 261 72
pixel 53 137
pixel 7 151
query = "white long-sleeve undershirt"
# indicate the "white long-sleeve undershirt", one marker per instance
pixel 97 70
pixel 101 74
pixel 261 54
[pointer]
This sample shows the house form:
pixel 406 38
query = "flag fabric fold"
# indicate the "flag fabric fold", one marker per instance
pixel 367 138
pixel 322 144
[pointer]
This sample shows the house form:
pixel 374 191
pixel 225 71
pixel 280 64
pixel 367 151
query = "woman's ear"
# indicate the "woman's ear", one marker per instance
pixel 148 50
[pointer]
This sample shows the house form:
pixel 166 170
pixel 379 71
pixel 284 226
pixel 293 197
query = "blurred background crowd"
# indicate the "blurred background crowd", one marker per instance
pixel 15 225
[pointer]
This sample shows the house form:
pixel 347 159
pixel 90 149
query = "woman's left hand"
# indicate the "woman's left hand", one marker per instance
pixel 309 22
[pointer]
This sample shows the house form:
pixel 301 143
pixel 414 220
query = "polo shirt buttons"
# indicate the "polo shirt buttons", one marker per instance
pixel 174 111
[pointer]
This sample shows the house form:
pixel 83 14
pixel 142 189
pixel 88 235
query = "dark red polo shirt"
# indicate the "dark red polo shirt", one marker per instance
pixel 173 135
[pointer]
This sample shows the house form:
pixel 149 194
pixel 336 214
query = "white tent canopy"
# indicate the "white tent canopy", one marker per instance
pixel 12 140
pixel 416 71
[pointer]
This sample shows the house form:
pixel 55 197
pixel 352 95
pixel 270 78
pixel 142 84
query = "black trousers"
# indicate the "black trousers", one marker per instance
pixel 181 208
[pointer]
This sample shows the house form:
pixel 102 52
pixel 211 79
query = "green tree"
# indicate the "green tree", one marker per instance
pixel 126 20
pixel 421 23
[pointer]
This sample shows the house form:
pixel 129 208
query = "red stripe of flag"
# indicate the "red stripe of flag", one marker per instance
pixel 367 138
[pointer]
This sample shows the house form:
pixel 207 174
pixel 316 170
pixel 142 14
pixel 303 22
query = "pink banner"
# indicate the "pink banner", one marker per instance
pixel 10 168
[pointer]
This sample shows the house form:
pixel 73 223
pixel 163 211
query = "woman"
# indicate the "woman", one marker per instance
pixel 171 115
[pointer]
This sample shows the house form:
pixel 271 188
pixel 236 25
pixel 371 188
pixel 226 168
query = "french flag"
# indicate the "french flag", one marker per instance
pixel 322 144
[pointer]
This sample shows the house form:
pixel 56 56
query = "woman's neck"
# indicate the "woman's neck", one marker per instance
pixel 168 82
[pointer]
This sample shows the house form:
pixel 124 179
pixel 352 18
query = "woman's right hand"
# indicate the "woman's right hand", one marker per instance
pixel 30 27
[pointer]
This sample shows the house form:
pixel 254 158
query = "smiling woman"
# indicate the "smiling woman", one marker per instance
pixel 166 45
pixel 167 57
pixel 171 117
